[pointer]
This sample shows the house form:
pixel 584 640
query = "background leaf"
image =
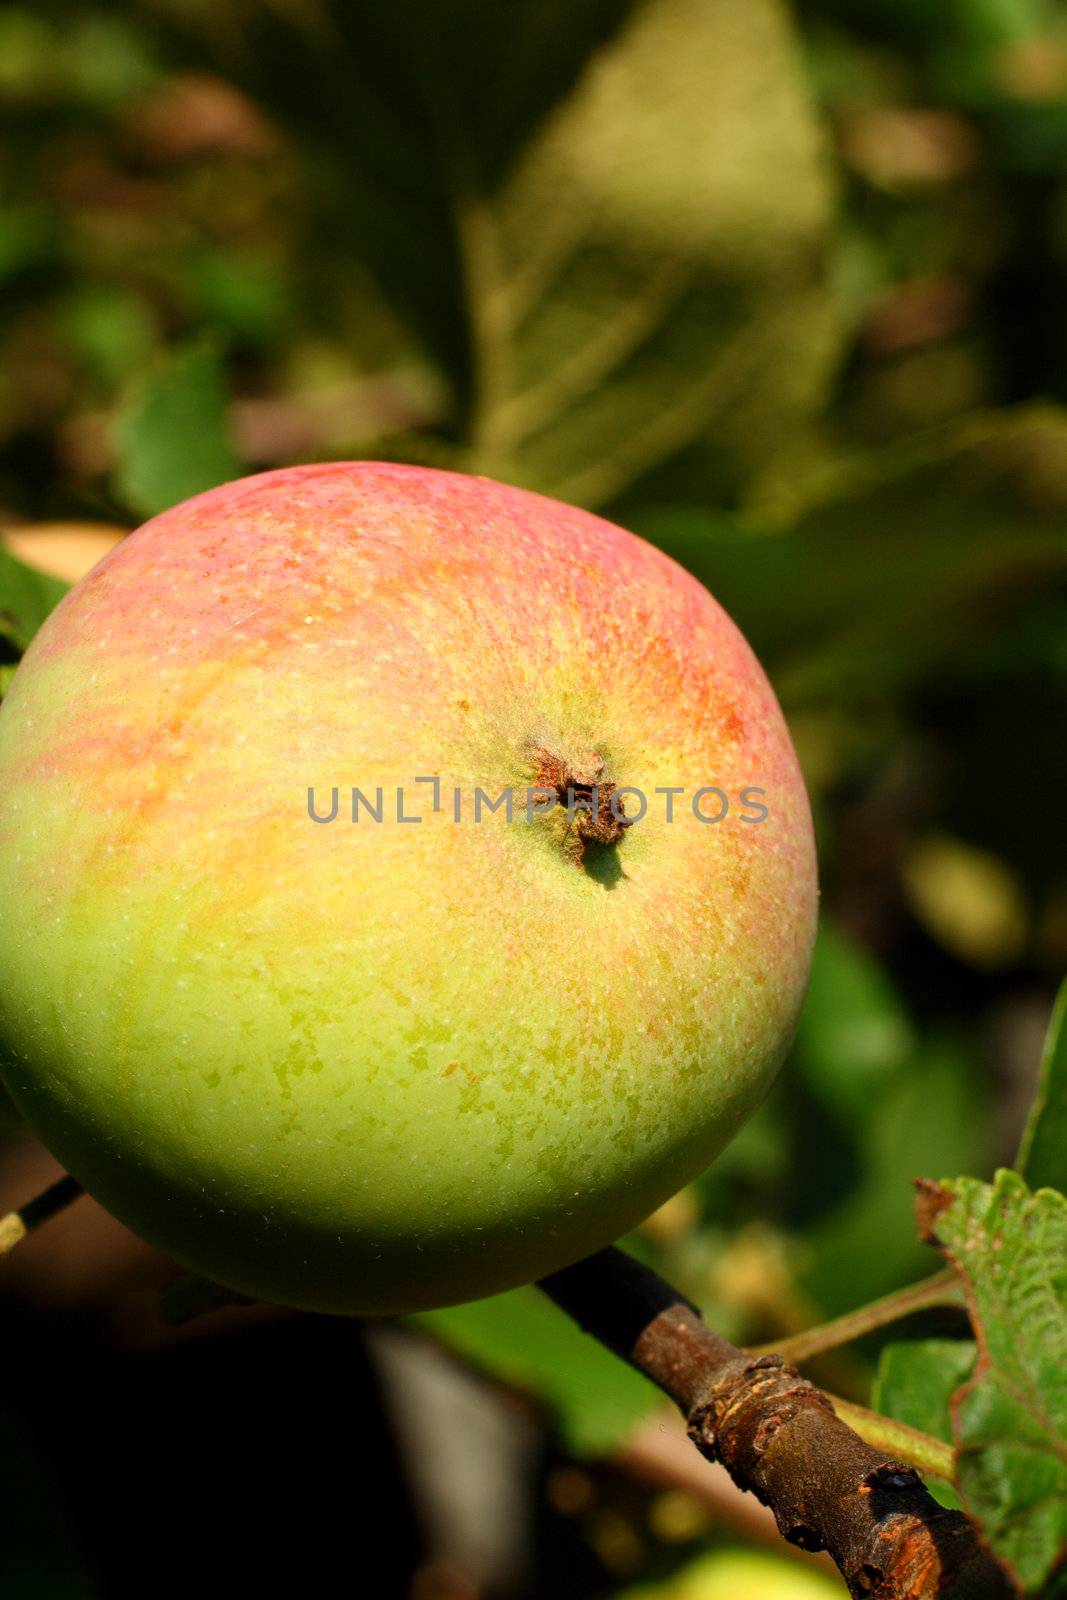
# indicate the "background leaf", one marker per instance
pixel 933 546
pixel 522 1338
pixel 542 194
pixel 864 1244
pixel 26 598
pixel 173 438
pixel 1042 1158
pixel 853 1033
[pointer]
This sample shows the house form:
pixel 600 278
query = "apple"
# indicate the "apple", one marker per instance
pixel 394 1062
pixel 741 1575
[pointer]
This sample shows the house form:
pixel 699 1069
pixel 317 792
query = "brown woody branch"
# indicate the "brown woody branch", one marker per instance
pixel 779 1437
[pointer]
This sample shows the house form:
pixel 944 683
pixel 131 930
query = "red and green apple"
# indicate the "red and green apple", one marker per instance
pixel 370 1066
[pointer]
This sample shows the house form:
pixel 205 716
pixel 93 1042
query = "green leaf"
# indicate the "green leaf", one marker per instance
pixel 603 221
pixel 917 1379
pixel 524 1340
pixel 26 598
pixel 1042 1158
pixel 1010 1418
pixel 173 439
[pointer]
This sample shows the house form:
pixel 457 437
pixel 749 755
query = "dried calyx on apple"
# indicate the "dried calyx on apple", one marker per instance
pixel 595 811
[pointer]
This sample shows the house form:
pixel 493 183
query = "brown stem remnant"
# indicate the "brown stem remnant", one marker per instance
pixel 779 1437
pixel 591 801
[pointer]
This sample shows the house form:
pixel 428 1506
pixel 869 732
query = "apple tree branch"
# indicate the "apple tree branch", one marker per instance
pixel 779 1437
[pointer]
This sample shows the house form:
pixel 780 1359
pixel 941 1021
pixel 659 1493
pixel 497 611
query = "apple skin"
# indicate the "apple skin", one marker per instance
pixel 369 1067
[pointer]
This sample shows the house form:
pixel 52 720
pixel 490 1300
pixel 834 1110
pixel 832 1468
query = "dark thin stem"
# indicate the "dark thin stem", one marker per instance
pixel 779 1436
pixel 17 1224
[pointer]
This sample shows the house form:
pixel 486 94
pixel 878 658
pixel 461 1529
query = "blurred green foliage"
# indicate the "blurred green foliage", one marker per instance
pixel 782 290
pixel 27 597
pixel 1042 1158
pixel 172 439
pixel 522 1338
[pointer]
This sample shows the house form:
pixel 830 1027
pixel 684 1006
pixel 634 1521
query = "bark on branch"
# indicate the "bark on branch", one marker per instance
pixel 779 1437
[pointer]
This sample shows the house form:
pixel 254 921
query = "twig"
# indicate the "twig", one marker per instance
pixel 17 1224
pixel 943 1289
pixel 778 1436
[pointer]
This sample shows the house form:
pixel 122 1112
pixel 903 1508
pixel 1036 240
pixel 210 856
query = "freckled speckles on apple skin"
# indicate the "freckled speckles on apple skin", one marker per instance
pixel 258 1014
